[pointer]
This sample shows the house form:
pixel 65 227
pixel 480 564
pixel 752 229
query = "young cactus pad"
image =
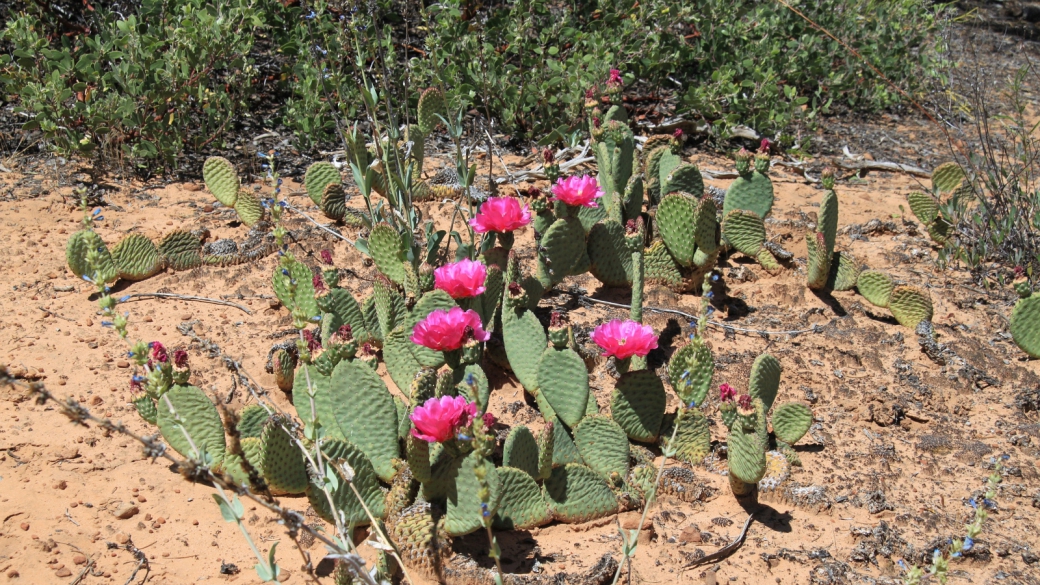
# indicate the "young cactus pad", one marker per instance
pixel 319 176
pixel 221 180
pixel 1025 325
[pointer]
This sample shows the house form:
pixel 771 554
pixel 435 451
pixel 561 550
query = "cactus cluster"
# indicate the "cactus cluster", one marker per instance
pixel 747 204
pixel 948 180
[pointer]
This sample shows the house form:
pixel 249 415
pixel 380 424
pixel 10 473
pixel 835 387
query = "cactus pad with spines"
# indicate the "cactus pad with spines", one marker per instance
pixel 520 451
pixel 284 366
pixel 765 379
pixel 564 381
pixel 76 256
pixel 464 505
pixel 281 461
pixel 827 220
pixel 387 251
pixel 337 452
pixel 660 268
pixel 843 273
pixel 676 221
pixel 334 201
pixel 145 406
pixel 692 439
pixel 199 417
pixel 181 250
pixel 303 298
pixel 747 457
pixel 602 444
pixel 638 404
pixel 690 371
pixel 251 421
pixel 561 248
pixel 564 449
pixel 818 261
pixel 545 452
pixel 221 180
pixel 791 421
pixel 576 493
pixel 523 506
pixel 136 258
pixel 423 544
pixel 364 410
pixel 248 207
pixel 1025 325
pixel 876 287
pixel 610 260
pixel 685 178
pixel 320 384
pixel 924 207
pixel 525 342
pixel 751 192
pixel 947 177
pixel 431 105
pixel 401 362
pixel 319 176
pixel 745 231
pixel 910 305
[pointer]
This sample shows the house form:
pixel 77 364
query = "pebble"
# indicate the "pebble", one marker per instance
pixel 690 534
pixel 79 559
pixel 142 499
pixel 125 510
pixel 185 316
pixel 122 364
pixel 207 208
pixel 13 574
pixel 61 485
pixel 24 526
pixel 63 572
pixel 121 538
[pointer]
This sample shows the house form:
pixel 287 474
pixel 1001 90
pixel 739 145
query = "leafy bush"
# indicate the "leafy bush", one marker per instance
pixel 180 73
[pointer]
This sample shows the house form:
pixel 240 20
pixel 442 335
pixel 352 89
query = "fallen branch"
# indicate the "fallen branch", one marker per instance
pixel 159 295
pixel 726 550
pixel 870 165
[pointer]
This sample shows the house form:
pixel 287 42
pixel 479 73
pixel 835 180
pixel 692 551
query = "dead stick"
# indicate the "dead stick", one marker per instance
pixel 83 573
pixel 159 295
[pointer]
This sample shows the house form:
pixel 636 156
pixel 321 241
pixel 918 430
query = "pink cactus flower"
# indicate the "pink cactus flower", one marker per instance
pixel 615 78
pixel 577 191
pixel 678 133
pixel 501 214
pixel 727 393
pixel 624 339
pixel 744 402
pixel 765 145
pixel 439 419
pixel 159 352
pixel 326 256
pixel 449 330
pixel 319 283
pixel 489 420
pixel 461 280
pixel 180 358
pixel 313 344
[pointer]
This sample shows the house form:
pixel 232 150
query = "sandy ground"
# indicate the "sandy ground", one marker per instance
pixel 901 445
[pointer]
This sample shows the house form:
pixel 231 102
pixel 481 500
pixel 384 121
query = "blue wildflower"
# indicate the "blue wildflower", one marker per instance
pixel 285 272
pixel 969 542
pixel 138 379
pixel 282 204
pixel 464 437
pixel 96 212
pixel 87 278
pixel 124 298
pixel 693 404
pixel 310 16
pixel 709 295
pixel 99 218
pixel 106 324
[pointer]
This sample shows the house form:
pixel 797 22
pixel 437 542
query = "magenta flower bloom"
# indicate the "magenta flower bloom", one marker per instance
pixel 615 78
pixel 449 330
pixel 727 393
pixel 624 339
pixel 159 352
pixel 501 214
pixel 577 191
pixel 439 419
pixel 461 280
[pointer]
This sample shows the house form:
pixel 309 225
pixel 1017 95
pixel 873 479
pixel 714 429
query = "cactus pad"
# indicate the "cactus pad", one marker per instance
pixel 947 177
pixel 753 192
pixel 221 180
pixel 145 406
pixel 924 207
pixel 602 444
pixel 525 342
pixel 765 380
pixel 248 207
pixel 76 256
pixel 431 105
pixel 791 421
pixel 319 176
pixel 334 201
pixel 685 178
pixel 523 506
pixel 281 461
pixel 136 258
pixel 1025 325
pixel 561 248
pixel 660 268
pixel 610 260
pixel 520 451
pixel 364 410
pixel 638 404
pixel 337 453
pixel 690 371
pixel 844 272
pixel 464 504
pixel 251 421
pixel 199 417
pixel 576 493
pixel 304 287
pixel 387 251
pixel 876 287
pixel 745 231
pixel 747 458
pixel 401 362
pixel 676 222
pixel 421 540
pixel 910 305
pixel 564 450
pixel 564 382
pixel 827 220
pixel 181 250
pixel 693 438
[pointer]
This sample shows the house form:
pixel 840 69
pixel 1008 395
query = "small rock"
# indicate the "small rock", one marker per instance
pixel 193 187
pixel 161 520
pixel 690 534
pixel 122 538
pixel 61 485
pixel 1030 558
pixel 630 520
pixel 142 499
pixel 207 208
pixel 79 559
pixel 125 511
pixel 185 316
pixel 123 364
pixel 24 526
pixel 63 572
pixel 12 574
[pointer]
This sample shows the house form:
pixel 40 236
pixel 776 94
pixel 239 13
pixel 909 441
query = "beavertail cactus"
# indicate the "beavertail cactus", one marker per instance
pixel 1025 319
